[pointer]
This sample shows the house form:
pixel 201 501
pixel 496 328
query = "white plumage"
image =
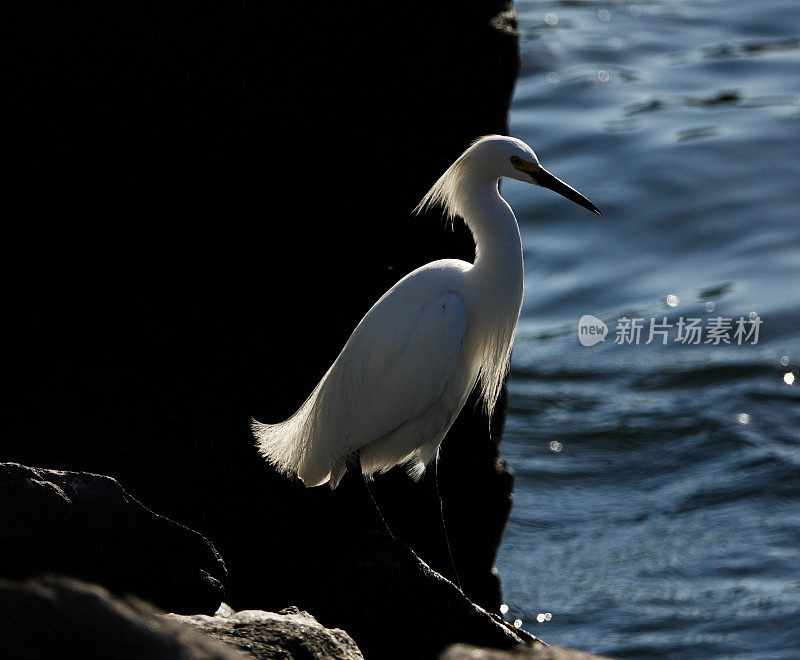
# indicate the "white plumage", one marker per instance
pixel 405 373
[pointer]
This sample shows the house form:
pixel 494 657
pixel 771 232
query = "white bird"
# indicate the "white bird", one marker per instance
pixel 405 373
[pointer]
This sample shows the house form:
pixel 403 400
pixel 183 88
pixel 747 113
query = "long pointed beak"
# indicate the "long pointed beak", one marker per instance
pixel 547 180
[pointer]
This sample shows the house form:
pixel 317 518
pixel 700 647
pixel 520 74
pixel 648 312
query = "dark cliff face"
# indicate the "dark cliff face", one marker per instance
pixel 200 202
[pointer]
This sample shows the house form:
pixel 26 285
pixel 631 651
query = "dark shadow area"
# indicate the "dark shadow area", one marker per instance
pixel 200 201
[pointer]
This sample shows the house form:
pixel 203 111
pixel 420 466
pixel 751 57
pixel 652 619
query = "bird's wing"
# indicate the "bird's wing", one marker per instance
pixel 394 367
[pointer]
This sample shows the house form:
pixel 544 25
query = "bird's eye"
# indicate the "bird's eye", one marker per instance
pixel 516 160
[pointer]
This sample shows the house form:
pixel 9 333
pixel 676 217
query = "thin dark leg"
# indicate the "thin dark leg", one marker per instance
pixel 444 525
pixel 375 504
pixel 355 464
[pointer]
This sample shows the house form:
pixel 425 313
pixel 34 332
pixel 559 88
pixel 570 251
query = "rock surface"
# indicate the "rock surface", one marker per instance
pixel 202 201
pixel 395 606
pixel 289 633
pixel 87 526
pixel 56 617
pixel 535 651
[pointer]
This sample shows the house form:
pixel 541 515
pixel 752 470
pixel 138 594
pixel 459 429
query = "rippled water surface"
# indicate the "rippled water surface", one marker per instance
pixel 657 509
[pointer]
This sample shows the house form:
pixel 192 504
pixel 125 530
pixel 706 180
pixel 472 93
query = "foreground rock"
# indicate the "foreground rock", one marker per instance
pixel 535 651
pixel 53 617
pixel 407 611
pixel 395 606
pixel 86 525
pixel 289 633
pixel 205 199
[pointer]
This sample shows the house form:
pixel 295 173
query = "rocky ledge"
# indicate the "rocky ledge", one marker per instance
pixel 390 603
pixel 57 617
pixel 384 587
pixel 383 601
pixel 87 526
pixel 289 633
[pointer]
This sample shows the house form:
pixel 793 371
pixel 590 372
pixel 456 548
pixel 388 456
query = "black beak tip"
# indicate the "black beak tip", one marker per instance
pixel 596 210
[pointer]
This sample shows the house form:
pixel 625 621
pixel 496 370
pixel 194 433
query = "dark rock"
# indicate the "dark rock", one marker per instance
pixel 535 651
pixel 201 201
pixel 395 606
pixel 290 633
pixel 87 526
pixel 56 617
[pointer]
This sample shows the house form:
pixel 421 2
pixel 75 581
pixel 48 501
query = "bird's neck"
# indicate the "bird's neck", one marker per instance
pixel 498 246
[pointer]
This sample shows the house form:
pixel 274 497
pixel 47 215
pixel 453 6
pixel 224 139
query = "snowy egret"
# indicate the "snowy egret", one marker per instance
pixel 405 373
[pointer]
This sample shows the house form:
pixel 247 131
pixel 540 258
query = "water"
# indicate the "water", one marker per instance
pixel 657 505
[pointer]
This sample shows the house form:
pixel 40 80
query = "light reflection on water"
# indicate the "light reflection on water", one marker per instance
pixel 657 504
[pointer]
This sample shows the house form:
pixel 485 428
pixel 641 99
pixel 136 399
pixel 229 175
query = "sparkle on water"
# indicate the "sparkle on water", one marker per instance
pixel 743 418
pixel 672 300
pixel 788 378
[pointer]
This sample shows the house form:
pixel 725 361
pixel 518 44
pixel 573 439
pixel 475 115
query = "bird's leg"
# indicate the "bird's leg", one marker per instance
pixel 444 525
pixel 355 464
pixel 375 504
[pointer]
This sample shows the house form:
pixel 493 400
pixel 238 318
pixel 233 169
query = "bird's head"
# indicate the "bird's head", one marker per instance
pixel 514 159
pixel 491 158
